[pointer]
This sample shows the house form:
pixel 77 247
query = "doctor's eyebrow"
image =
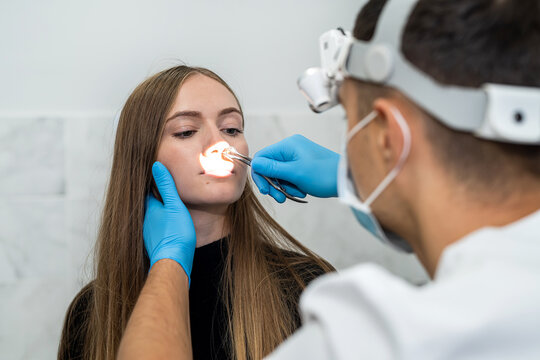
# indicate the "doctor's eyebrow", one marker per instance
pixel 197 114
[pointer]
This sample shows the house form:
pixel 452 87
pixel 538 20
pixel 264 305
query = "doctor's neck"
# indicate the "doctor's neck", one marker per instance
pixel 448 212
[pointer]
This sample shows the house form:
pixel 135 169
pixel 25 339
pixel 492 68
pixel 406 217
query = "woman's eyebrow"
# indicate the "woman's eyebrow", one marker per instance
pixel 197 114
pixel 228 111
pixel 188 113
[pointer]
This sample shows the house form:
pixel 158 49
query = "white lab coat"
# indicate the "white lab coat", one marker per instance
pixel 484 303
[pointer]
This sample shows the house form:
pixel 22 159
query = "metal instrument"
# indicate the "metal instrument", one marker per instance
pixel 232 154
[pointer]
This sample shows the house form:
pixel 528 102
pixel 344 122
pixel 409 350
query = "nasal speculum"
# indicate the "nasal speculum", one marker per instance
pixel 232 154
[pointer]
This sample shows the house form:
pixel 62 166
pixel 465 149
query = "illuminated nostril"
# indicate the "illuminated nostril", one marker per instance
pixel 213 162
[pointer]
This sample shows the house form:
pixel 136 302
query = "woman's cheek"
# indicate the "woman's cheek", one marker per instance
pixel 242 146
pixel 243 175
pixel 179 175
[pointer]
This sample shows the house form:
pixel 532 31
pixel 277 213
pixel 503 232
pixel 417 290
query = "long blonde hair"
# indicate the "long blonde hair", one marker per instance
pixel 259 277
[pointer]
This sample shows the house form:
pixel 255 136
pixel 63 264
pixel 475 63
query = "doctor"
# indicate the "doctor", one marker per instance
pixel 441 157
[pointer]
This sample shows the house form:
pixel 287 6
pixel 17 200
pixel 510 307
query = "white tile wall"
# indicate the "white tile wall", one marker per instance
pixel 31 156
pixel 89 142
pixel 33 236
pixel 53 173
pixel 34 252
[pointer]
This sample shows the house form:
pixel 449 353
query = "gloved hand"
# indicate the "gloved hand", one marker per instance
pixel 168 230
pixel 307 167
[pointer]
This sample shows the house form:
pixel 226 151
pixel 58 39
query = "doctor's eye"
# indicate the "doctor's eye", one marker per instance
pixel 184 134
pixel 232 131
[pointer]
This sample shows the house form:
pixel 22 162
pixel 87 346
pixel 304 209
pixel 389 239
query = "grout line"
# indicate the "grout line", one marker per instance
pixel 116 113
pixel 32 197
pixel 58 114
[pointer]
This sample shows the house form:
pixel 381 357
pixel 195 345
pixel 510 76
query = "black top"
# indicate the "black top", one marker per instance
pixel 207 312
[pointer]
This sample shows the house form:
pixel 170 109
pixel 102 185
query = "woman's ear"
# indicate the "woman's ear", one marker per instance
pixel 390 136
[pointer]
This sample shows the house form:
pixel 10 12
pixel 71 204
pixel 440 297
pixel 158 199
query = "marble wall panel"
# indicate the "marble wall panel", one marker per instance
pixel 33 251
pixel 32 313
pixel 89 150
pixel 89 143
pixel 33 236
pixel 83 216
pixel 31 156
pixel 7 270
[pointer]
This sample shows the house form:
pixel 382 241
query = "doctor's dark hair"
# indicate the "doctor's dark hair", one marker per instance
pixel 265 268
pixel 470 43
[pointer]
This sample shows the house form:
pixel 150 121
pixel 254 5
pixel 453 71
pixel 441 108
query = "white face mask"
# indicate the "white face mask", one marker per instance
pixel 347 191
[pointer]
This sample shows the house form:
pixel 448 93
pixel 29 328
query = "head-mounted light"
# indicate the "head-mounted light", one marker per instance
pixel 320 85
pixel 493 111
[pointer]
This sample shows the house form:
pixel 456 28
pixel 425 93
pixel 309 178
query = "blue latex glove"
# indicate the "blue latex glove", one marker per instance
pixel 302 166
pixel 168 230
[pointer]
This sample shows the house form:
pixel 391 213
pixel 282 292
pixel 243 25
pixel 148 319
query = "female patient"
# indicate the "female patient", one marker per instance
pixel 248 272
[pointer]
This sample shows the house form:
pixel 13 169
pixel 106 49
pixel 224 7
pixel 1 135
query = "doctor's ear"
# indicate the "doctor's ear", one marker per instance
pixel 390 135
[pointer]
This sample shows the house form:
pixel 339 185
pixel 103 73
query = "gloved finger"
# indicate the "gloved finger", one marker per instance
pixel 275 169
pixel 293 191
pixel 165 184
pixel 261 183
pixel 284 150
pixel 151 203
pixel 277 195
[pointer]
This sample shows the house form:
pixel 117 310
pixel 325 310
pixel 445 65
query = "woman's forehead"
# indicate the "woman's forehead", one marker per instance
pixel 199 93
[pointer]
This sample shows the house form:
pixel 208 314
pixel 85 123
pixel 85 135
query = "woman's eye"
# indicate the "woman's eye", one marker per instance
pixel 184 134
pixel 232 131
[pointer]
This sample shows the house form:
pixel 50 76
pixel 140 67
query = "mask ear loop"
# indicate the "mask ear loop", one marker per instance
pixel 404 154
pixel 356 128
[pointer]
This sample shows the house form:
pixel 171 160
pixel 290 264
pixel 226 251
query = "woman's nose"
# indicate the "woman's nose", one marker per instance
pixel 214 136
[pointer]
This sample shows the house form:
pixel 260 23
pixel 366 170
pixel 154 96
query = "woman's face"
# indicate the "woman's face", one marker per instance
pixel 204 113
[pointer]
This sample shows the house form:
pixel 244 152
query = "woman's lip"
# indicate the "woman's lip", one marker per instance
pixel 210 174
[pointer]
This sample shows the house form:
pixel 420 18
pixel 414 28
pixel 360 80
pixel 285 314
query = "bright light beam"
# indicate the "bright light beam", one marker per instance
pixel 213 163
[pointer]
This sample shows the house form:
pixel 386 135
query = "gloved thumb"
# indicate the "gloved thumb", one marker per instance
pixel 273 169
pixel 165 184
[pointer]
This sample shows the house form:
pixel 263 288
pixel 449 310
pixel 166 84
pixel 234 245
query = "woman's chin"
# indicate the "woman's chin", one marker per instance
pixel 212 199
pixel 218 174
